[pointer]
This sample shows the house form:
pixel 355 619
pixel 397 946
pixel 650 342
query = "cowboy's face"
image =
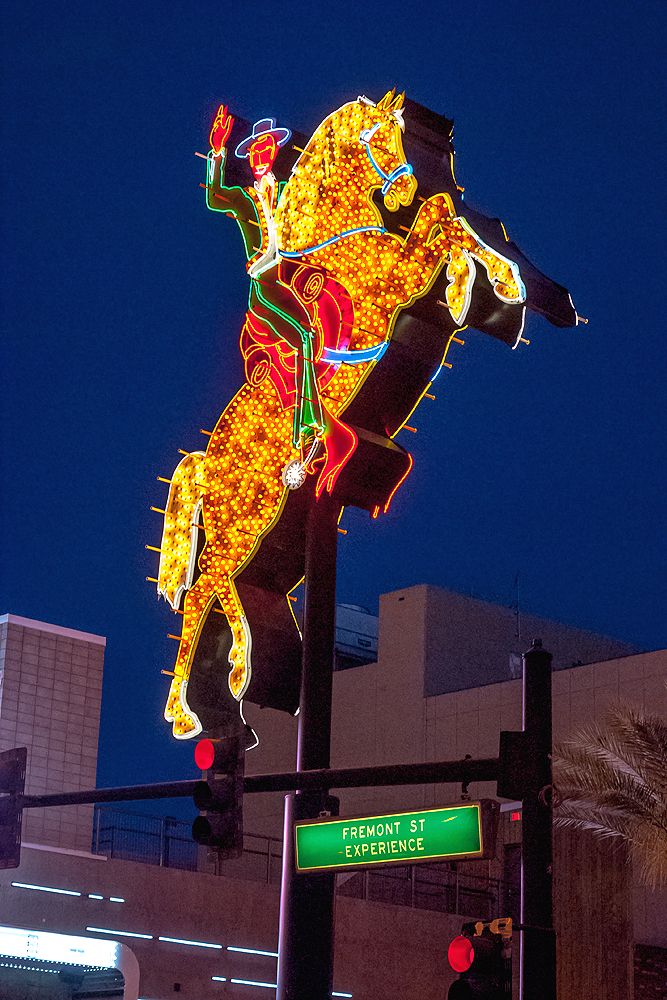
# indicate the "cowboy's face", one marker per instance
pixel 263 153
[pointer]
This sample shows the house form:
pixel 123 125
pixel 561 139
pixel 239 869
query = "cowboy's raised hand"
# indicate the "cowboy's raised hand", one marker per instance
pixel 221 128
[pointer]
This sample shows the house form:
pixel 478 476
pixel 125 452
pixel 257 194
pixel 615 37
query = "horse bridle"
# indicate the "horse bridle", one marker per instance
pixel 404 168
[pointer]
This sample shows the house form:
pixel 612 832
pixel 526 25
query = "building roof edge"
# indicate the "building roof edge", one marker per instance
pixel 69 633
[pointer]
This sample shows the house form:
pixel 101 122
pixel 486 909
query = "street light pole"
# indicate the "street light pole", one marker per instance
pixel 538 945
pixel 305 946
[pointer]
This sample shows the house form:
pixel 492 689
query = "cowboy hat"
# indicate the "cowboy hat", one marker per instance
pixel 266 126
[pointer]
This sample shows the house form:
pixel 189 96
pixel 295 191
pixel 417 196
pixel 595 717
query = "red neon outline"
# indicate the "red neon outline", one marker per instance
pixel 400 481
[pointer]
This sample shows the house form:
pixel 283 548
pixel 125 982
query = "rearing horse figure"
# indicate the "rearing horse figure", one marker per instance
pixel 343 279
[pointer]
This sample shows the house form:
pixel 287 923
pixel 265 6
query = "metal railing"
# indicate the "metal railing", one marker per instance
pixel 164 841
pixel 153 840
pixel 167 842
pixel 443 888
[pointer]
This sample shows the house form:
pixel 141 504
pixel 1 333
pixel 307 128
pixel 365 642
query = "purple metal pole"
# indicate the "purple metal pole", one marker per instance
pixel 305 945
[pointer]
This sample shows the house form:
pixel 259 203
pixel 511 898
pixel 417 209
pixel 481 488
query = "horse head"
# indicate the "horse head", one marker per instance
pixel 355 151
pixel 383 158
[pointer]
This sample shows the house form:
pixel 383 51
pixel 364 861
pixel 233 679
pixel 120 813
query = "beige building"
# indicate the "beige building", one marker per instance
pixel 50 699
pixel 442 688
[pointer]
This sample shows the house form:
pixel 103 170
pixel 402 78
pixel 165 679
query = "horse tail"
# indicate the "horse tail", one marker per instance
pixel 178 549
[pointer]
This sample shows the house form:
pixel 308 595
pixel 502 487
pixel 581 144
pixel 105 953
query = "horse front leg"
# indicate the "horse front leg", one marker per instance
pixel 197 604
pixel 426 248
pixel 438 232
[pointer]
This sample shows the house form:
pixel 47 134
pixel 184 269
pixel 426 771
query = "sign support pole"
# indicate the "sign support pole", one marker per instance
pixel 538 945
pixel 305 963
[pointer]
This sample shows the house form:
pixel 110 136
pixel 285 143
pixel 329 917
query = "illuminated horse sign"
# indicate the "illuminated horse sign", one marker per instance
pixel 336 256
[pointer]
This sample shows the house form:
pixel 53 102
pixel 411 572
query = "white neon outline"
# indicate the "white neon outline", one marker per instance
pixel 367 134
pixel 576 314
pixel 513 266
pixel 132 934
pixel 243 720
pixel 46 888
pixel 219 979
pixel 116 899
pixel 253 982
pixel 193 944
pixel 472 274
pixel 520 333
pixel 396 112
pixel 253 951
pixel 94 895
pixel 192 553
pixel 247 657
pixel 271 254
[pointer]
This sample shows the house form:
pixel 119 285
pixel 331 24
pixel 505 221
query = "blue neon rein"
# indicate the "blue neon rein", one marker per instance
pixel 389 179
pixel 354 357
pixel 332 239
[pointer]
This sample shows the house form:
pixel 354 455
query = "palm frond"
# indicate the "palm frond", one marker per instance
pixel 578 769
pixel 612 780
pixel 610 745
pixel 645 737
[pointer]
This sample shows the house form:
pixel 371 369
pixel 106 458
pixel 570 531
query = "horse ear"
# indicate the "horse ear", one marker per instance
pixel 398 103
pixel 385 103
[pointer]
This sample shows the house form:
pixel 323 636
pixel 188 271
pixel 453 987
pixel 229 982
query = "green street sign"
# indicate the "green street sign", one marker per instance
pixel 465 830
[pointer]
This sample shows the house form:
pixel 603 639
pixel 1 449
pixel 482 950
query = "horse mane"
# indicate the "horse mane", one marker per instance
pixel 299 213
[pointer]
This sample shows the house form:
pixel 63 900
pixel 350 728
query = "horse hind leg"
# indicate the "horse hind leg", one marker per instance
pixel 197 604
pixel 241 650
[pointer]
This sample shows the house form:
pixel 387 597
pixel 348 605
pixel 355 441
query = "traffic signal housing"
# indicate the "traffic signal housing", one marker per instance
pixel 482 956
pixel 12 785
pixel 219 796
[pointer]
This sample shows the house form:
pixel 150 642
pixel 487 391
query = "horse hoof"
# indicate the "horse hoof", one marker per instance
pixel 185 726
pixel 237 681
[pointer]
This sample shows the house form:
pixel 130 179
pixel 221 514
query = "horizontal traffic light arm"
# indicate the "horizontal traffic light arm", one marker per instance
pixel 432 773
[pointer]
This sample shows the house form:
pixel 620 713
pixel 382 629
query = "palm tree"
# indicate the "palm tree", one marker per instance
pixel 611 778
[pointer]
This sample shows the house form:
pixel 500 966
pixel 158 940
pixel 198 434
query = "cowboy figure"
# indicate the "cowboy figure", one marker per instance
pixel 274 305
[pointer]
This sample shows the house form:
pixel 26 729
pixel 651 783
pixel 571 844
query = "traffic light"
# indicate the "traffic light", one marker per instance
pixel 12 784
pixel 482 956
pixel 219 796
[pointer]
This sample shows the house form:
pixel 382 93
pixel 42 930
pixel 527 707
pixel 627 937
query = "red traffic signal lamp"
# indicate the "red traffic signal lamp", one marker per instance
pixel 482 956
pixel 461 953
pixel 12 784
pixel 219 796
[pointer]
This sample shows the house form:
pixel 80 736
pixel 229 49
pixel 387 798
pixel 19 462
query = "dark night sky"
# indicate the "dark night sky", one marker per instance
pixel 122 299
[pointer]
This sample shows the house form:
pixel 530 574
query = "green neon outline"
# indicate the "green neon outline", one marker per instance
pixel 306 413
pixel 250 248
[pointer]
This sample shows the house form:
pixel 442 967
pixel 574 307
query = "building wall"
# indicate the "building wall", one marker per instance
pixel 468 642
pixel 592 918
pixel 50 696
pixel 380 713
pixel 381 952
